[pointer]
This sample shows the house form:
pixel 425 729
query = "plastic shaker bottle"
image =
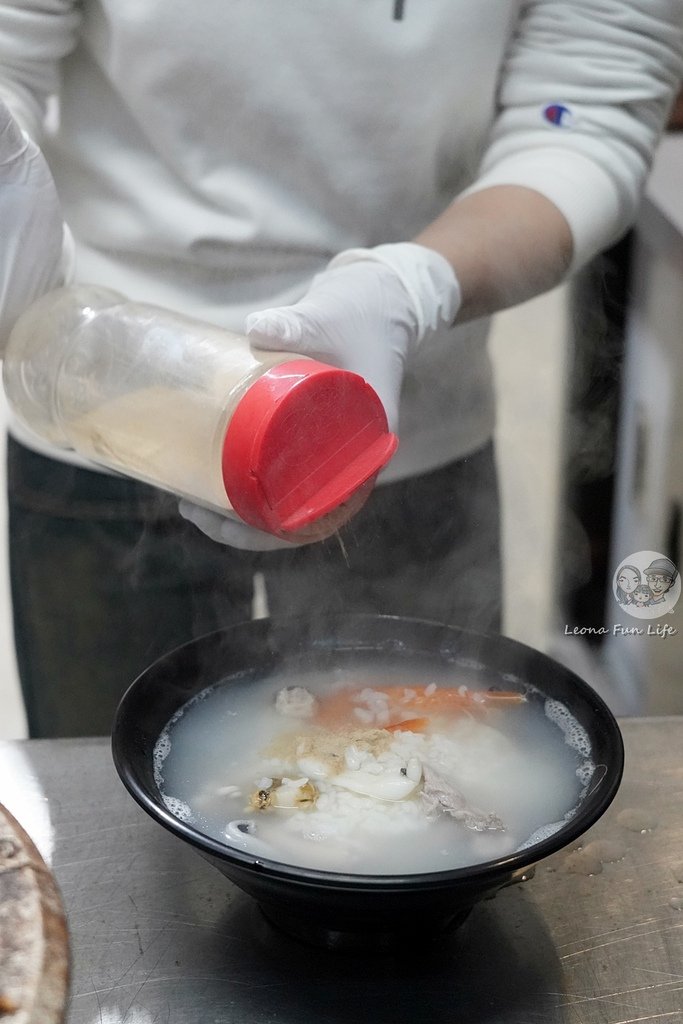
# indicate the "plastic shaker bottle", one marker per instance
pixel 287 444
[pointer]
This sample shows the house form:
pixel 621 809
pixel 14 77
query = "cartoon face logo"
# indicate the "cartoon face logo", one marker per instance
pixel 558 115
pixel 642 596
pixel 628 580
pixel 647 584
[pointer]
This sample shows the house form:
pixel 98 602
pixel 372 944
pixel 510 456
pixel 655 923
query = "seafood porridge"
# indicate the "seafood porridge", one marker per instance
pixel 369 772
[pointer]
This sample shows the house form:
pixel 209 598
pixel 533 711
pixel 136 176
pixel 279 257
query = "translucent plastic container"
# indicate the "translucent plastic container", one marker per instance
pixel 287 444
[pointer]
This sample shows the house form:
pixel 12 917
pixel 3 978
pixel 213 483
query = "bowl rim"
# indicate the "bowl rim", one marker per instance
pixel 595 801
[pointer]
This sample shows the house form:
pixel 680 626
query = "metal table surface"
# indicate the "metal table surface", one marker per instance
pixel 158 935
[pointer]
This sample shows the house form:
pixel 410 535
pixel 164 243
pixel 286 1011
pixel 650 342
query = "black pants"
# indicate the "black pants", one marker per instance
pixel 106 576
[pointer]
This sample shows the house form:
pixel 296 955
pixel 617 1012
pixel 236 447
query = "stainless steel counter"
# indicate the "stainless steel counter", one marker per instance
pixel 157 935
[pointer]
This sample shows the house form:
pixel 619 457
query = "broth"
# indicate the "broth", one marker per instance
pixel 341 771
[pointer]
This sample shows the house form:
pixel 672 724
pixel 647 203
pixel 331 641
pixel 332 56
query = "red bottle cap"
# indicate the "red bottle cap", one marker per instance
pixel 303 448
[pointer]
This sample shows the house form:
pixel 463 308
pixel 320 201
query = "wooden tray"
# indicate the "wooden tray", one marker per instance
pixel 34 948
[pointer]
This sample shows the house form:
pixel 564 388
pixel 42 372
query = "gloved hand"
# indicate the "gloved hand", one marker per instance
pixel 366 312
pixel 36 251
pixel 226 530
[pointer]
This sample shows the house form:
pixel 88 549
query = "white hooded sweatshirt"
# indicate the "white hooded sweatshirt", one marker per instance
pixel 212 156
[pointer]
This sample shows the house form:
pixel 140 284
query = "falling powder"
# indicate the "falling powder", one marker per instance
pixel 342 546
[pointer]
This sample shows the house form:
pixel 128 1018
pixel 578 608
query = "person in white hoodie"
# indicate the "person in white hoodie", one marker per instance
pixel 361 180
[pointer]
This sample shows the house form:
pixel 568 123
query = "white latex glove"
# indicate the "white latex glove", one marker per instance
pixel 225 530
pixel 36 249
pixel 366 312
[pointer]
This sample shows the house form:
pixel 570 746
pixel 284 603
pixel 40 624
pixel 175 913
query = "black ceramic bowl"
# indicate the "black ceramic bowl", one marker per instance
pixel 332 908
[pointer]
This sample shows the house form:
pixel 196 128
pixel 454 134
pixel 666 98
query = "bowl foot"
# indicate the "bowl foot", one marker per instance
pixel 365 940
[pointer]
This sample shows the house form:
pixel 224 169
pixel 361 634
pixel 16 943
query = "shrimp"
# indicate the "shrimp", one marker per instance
pixel 407 708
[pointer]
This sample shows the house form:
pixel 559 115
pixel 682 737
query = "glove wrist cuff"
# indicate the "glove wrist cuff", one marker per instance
pixel 426 275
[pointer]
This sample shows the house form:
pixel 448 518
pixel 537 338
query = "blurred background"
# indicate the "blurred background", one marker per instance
pixel 590 451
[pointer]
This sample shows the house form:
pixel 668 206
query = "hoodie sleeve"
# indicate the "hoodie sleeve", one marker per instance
pixel 34 37
pixel 584 96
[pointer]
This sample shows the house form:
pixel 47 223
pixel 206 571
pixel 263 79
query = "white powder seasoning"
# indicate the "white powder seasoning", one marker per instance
pixel 171 438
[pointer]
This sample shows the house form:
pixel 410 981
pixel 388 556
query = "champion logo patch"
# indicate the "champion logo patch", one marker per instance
pixel 559 115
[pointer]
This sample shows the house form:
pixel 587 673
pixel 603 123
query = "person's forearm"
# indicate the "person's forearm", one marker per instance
pixel 505 243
